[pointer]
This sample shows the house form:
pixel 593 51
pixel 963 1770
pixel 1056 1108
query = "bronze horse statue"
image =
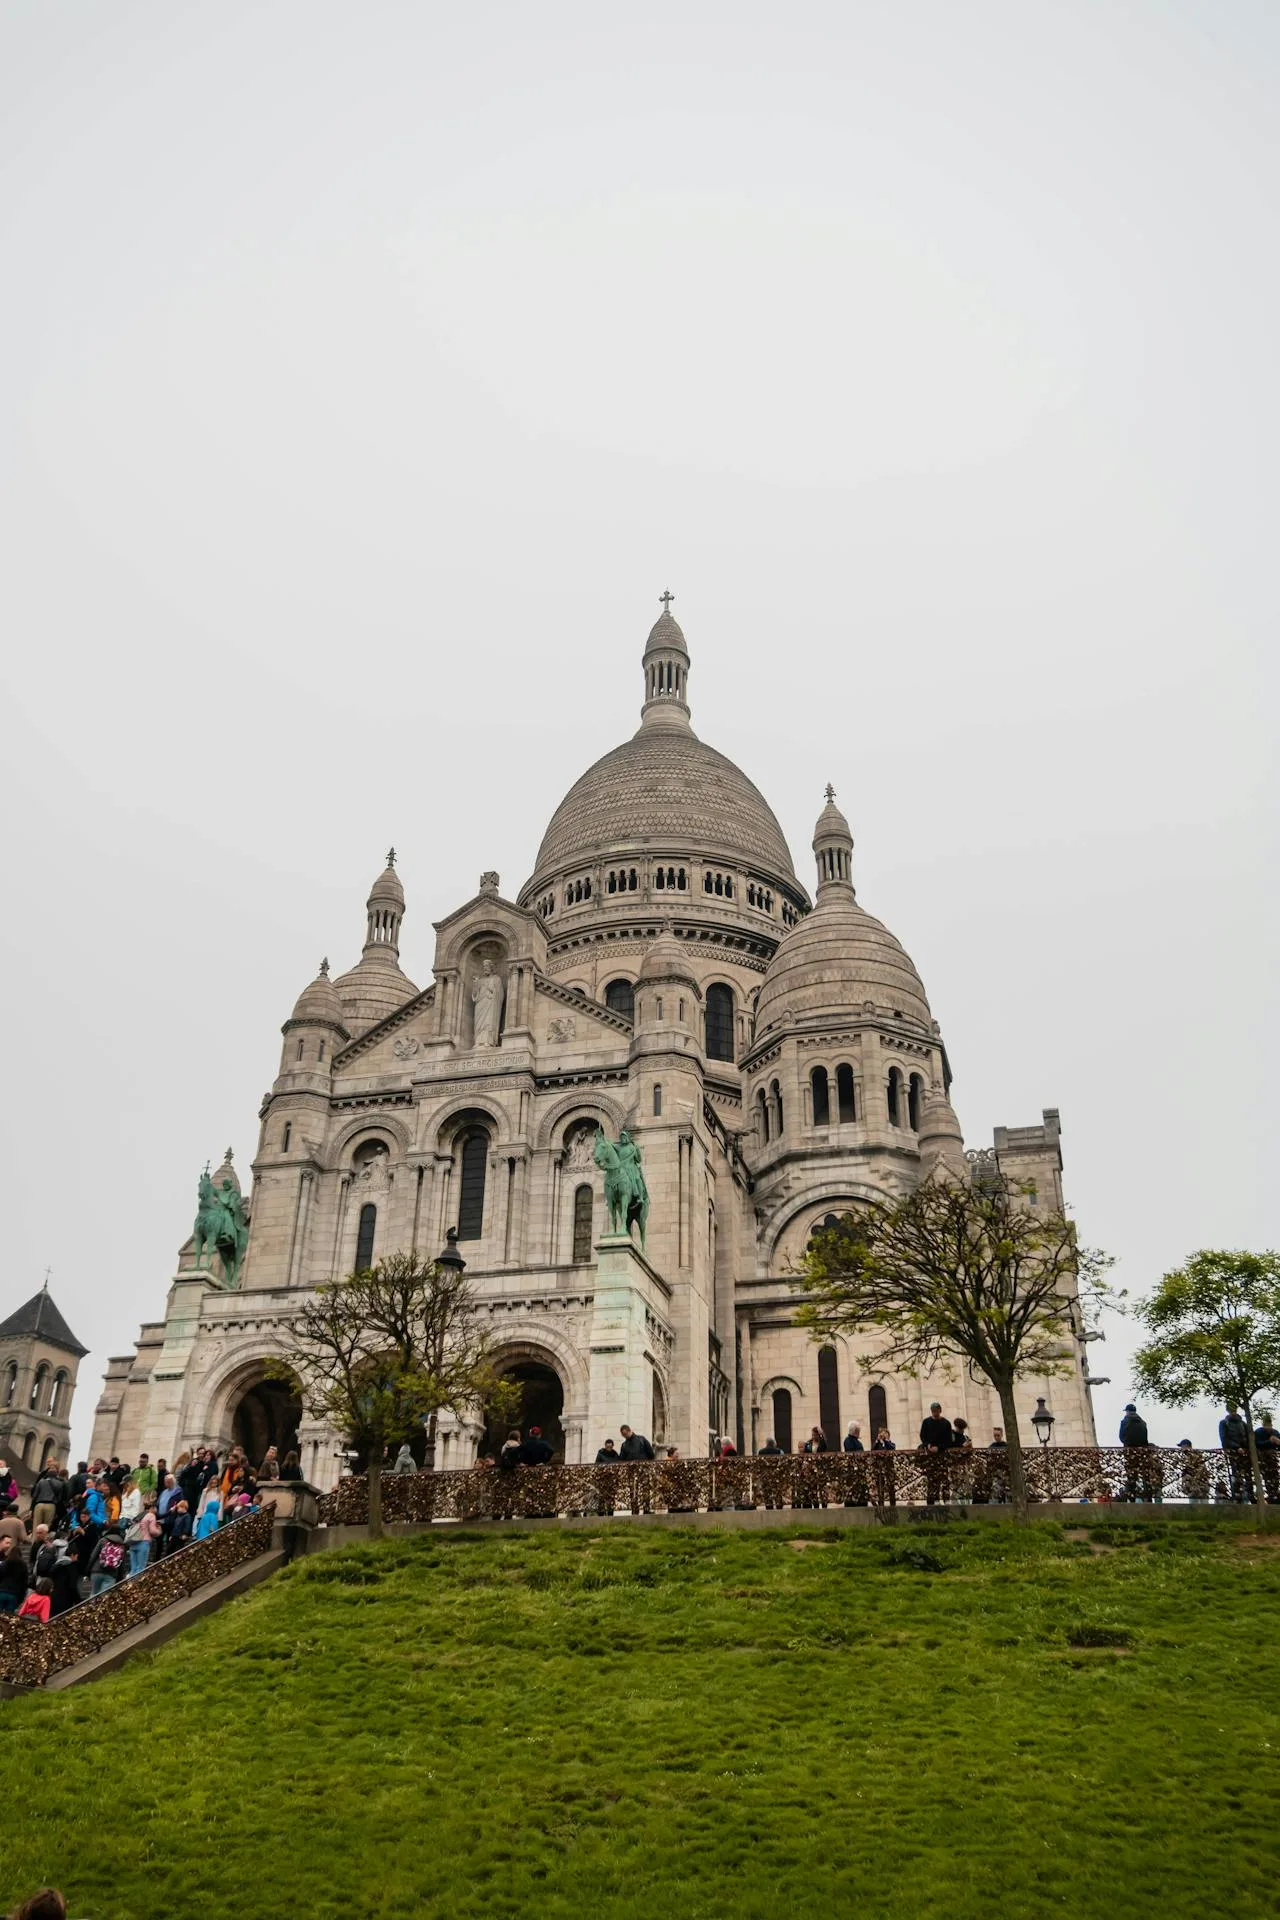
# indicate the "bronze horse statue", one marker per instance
pixel 625 1192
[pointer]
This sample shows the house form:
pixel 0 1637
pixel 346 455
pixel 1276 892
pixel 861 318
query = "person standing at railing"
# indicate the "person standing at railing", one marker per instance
pixel 1233 1437
pixel 211 1514
pixel 937 1437
pixel 1267 1441
pixel 961 1460
pixel 178 1526
pixel 1137 1457
pixel 535 1450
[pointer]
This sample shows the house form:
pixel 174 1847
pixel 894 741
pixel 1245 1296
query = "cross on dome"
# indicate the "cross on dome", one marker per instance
pixel 831 792
pixel 666 599
pixel 391 856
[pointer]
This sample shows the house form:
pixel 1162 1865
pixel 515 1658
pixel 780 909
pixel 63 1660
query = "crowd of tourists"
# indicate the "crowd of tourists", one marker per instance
pixel 85 1531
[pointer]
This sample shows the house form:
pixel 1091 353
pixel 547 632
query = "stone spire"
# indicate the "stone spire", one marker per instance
pixel 666 673
pixel 833 846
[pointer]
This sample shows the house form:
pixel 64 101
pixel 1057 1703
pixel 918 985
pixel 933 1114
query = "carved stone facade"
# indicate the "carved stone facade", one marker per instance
pixel 663 969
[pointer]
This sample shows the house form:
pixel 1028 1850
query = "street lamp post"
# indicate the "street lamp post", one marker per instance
pixel 1042 1421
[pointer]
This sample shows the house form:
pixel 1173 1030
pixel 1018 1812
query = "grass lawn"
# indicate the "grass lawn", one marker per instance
pixel 884 1724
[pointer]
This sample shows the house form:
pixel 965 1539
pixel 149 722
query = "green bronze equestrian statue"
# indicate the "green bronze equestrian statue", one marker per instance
pixel 625 1192
pixel 220 1227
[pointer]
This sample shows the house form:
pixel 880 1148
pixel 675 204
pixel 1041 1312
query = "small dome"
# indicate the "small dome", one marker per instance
pixel 667 959
pixel 833 962
pixel 372 989
pixel 319 1004
pixel 832 824
pixel 665 635
pixel 387 890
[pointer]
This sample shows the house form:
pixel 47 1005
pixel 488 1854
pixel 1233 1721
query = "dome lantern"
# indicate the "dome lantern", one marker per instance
pixel 833 849
pixel 666 672
pixel 376 986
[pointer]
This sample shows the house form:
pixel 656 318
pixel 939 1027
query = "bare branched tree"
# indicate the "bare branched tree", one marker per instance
pixel 966 1270
pixel 380 1355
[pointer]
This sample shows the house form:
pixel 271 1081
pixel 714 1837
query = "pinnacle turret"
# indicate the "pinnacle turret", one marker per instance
pixel 666 672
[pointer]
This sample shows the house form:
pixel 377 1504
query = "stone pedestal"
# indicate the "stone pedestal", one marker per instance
pixel 630 1334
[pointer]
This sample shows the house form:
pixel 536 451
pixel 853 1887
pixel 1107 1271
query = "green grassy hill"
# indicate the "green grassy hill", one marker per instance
pixel 958 1721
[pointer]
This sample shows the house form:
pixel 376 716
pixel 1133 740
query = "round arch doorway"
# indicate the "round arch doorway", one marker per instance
pixel 267 1414
pixel 541 1404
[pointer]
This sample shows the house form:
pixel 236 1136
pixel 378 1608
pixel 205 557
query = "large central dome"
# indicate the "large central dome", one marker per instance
pixel 670 788
pixel 664 789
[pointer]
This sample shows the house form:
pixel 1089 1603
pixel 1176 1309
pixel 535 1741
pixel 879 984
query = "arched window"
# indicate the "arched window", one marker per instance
pixel 364 1238
pixel 893 1097
pixel 301 1045
pixel 38 1385
pixel 775 1101
pixel 821 1097
pixel 660 878
pixel 844 1094
pixel 762 1117
pixel 719 1023
pixel 47 1451
pixel 583 1210
pixel 829 1395
pixel 288 1135
pixel 782 1418
pixel 915 1091
pixel 28 1446
pixel 657 1100
pixel 877 1409
pixel 56 1392
pixel 620 997
pixel 10 1382
pixel 475 1161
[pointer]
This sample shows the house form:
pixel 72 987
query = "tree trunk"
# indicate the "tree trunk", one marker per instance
pixel 375 1493
pixel 1013 1440
pixel 1255 1468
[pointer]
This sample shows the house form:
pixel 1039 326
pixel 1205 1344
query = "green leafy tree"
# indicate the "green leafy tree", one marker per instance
pixel 1215 1334
pixel 381 1354
pixel 965 1270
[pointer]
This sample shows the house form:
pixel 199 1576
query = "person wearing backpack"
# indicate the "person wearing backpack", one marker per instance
pixel 107 1564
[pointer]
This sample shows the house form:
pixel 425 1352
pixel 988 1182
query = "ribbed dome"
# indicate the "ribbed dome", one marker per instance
pixel 372 989
pixel 319 1003
pixel 837 958
pixel 666 789
pixel 387 889
pixel 666 632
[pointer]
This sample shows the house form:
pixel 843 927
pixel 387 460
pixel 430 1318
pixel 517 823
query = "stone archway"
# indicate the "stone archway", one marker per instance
pixel 267 1413
pixel 541 1405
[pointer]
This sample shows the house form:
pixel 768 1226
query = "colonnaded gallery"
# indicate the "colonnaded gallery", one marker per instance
pixel 662 971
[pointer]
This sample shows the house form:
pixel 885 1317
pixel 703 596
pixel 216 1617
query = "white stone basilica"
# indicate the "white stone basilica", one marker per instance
pixel 663 970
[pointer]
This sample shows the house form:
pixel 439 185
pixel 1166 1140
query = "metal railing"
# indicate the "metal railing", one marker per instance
pixel 30 1652
pixel 799 1482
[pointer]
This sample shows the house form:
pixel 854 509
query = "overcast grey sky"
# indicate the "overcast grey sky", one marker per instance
pixel 369 370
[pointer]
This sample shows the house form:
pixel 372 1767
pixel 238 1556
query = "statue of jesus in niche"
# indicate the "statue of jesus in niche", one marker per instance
pixel 486 998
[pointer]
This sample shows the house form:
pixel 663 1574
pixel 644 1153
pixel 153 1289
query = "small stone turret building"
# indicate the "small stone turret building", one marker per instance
pixel 39 1359
pixel 663 969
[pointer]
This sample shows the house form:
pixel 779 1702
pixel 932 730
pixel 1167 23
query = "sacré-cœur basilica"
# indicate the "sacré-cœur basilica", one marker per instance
pixel 663 970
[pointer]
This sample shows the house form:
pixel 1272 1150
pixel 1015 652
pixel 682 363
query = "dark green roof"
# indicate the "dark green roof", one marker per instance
pixel 39 1319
